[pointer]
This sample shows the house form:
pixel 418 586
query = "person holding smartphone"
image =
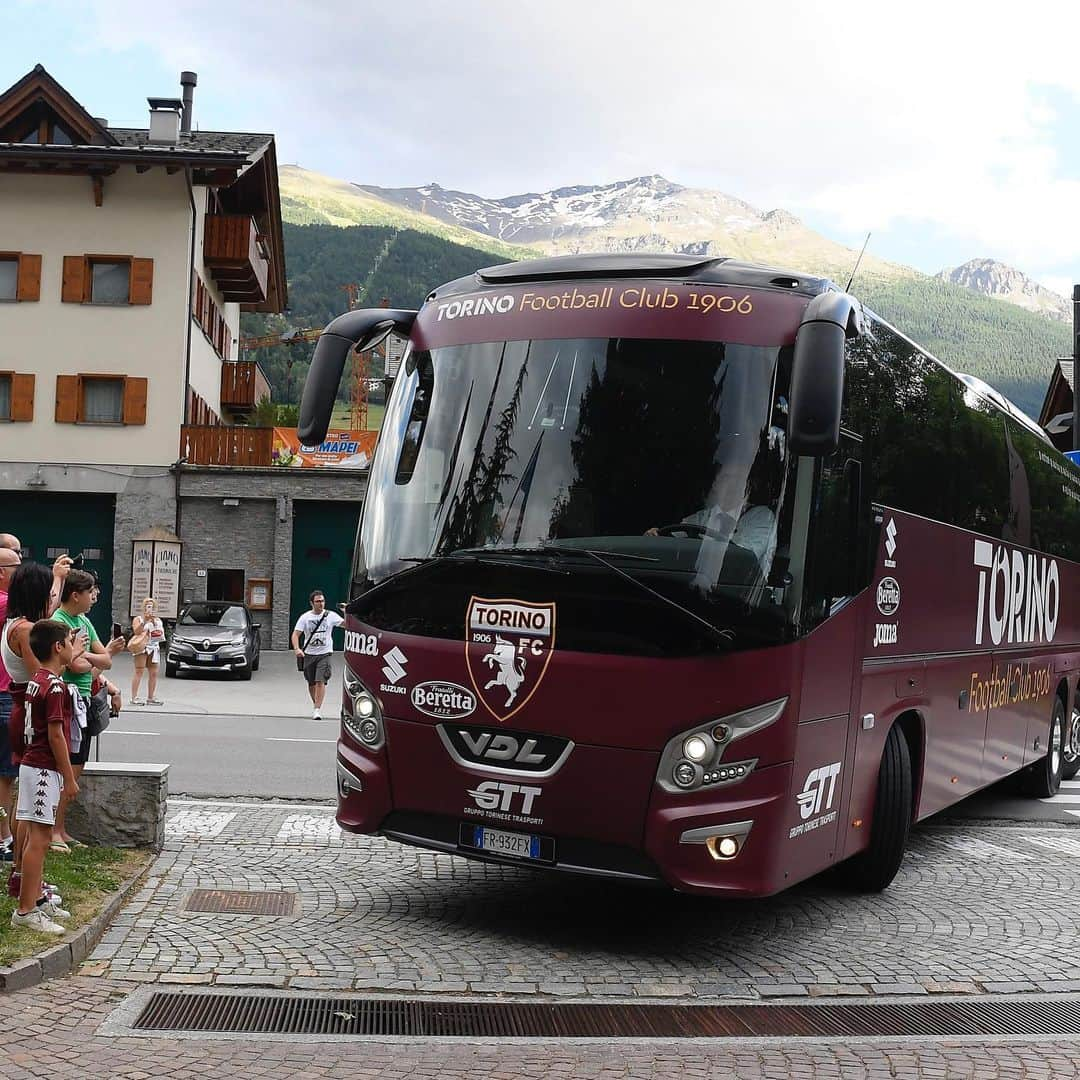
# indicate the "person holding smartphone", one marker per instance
pixel 149 632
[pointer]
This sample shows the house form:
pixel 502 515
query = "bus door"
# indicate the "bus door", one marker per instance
pixel 822 768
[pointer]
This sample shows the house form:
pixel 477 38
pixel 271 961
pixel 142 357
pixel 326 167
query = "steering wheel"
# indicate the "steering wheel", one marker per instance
pixel 689 529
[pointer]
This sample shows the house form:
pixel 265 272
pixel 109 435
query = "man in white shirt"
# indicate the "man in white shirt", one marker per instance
pixel 317 627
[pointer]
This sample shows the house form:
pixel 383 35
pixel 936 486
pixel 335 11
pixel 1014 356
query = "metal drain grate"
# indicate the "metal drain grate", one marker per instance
pixel 241 902
pixel 299 1015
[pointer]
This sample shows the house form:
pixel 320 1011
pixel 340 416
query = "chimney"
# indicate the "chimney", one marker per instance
pixel 188 79
pixel 164 121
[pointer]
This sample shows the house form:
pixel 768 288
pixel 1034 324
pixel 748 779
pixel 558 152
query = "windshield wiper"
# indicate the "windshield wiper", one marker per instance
pixel 723 637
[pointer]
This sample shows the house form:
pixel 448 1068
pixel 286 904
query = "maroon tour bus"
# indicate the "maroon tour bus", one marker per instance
pixel 684 570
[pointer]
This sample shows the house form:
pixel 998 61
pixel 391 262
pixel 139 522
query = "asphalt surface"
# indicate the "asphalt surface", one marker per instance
pixel 222 737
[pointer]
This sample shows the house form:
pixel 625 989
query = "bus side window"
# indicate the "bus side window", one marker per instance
pixel 834 564
pixel 416 423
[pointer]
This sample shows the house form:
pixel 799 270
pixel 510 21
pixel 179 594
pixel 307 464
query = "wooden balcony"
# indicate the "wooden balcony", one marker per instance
pixel 221 445
pixel 243 386
pixel 235 255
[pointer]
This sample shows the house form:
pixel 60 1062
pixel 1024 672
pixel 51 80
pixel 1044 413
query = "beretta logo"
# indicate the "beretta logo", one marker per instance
pixel 508 646
pixel 445 700
pixel 888 596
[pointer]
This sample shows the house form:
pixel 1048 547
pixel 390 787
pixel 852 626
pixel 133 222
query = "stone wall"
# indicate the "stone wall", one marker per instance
pixel 143 503
pixel 256 535
pixel 121 805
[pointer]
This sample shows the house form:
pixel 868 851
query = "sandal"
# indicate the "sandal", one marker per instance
pixel 74 843
pixel 154 701
pixel 60 847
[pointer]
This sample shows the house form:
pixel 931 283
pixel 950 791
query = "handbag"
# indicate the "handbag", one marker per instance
pixel 137 642
pixel 98 713
pixel 302 660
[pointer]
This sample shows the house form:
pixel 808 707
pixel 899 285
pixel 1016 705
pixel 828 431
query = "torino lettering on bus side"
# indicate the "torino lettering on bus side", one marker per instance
pixel 1024 595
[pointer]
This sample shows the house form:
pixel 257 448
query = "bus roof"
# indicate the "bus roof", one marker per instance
pixel 697 269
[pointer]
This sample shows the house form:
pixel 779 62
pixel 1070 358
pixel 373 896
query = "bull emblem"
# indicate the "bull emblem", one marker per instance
pixel 508 647
pixel 511 669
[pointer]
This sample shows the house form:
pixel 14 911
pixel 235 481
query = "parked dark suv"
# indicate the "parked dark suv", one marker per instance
pixel 214 635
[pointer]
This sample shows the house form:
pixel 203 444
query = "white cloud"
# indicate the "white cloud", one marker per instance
pixel 865 114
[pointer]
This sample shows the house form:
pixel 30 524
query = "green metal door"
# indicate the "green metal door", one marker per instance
pixel 323 537
pixel 51 524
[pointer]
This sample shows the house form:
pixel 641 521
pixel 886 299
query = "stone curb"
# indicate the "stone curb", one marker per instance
pixel 64 958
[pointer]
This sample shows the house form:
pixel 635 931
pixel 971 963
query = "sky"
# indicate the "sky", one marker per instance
pixel 949 130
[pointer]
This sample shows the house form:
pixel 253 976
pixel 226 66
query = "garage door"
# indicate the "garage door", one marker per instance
pixel 51 524
pixel 323 537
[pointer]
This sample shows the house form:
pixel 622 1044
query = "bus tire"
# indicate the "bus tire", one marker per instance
pixel 873 869
pixel 1070 753
pixel 1043 779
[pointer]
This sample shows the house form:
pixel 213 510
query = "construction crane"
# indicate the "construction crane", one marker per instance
pixel 358 384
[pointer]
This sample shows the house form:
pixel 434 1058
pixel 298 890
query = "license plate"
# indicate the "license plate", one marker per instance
pixel 500 842
pixel 204 656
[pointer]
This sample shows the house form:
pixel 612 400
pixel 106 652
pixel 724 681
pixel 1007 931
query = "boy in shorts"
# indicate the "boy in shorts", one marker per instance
pixel 45 770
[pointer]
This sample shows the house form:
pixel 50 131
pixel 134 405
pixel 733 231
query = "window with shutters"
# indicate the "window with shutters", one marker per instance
pixel 5 397
pixel 107 279
pixel 101 399
pixel 20 276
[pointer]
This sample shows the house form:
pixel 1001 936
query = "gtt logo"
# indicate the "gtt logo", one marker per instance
pixel 491 795
pixel 813 795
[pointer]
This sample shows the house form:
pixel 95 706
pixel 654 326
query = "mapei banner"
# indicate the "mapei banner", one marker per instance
pixel 339 450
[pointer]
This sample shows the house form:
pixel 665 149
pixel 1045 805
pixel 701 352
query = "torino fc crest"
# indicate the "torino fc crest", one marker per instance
pixel 508 645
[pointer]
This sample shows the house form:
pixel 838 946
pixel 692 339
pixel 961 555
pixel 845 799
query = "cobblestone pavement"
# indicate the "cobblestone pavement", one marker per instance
pixel 983 910
pixel 974 910
pixel 52 1031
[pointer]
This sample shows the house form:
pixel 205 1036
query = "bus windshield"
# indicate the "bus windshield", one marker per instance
pixel 667 458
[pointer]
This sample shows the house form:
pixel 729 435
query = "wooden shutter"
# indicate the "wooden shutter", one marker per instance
pixel 135 400
pixel 28 286
pixel 74 287
pixel 67 397
pixel 142 281
pixel 22 397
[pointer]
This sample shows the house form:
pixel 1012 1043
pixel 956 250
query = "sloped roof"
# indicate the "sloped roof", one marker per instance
pixel 241 142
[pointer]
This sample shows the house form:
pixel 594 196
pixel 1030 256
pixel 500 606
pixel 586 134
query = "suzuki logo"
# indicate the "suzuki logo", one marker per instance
pixel 813 793
pixel 492 795
pixel 395 665
pixel 501 748
pixel 890 538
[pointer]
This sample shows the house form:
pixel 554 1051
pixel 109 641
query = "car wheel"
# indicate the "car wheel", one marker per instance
pixel 244 674
pixel 171 670
pixel 1043 779
pixel 873 869
pixel 255 662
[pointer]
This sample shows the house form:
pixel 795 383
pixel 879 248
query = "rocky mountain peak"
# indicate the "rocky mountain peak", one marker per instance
pixel 996 279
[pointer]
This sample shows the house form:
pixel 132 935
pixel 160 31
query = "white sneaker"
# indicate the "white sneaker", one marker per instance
pixel 315 714
pixel 136 701
pixel 50 894
pixel 36 920
pixel 53 910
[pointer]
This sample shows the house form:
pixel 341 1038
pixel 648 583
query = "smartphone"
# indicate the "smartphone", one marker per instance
pixel 116 630
pixel 77 561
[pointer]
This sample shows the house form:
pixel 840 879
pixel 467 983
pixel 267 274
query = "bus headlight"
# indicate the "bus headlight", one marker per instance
pixel 363 721
pixel 695 759
pixel 696 748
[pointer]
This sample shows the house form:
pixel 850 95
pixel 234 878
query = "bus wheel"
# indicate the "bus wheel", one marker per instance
pixel 873 869
pixel 1070 752
pixel 1043 779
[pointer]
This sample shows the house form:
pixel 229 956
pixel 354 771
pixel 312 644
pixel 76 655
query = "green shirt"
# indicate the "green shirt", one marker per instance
pixel 79 622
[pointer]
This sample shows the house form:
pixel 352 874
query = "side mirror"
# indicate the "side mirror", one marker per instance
pixel 817 373
pixel 256 626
